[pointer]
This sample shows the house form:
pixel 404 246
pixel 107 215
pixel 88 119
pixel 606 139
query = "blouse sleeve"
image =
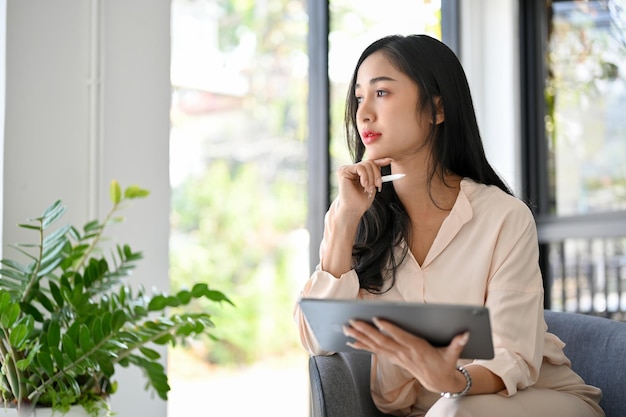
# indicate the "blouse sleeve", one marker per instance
pixel 322 284
pixel 515 301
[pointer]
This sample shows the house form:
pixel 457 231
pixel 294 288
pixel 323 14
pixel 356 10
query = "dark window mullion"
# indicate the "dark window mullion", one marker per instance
pixel 318 125
pixel 533 38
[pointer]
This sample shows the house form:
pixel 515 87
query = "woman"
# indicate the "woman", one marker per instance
pixel 450 232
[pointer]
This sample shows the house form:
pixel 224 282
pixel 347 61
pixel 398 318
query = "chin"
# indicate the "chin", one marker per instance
pixel 372 154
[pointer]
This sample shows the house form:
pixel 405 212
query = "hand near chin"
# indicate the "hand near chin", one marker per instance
pixel 358 184
pixel 434 368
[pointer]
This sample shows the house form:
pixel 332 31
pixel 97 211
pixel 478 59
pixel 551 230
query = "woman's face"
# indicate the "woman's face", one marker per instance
pixel 388 119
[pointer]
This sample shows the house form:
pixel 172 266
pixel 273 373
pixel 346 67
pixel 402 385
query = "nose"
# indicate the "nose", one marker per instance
pixel 364 113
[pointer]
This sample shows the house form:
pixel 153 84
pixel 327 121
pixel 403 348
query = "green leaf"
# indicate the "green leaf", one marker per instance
pixel 116 192
pixel 25 363
pixel 49 267
pixel 172 301
pixel 32 311
pixel 215 295
pixel 45 302
pixel 184 297
pixel 134 191
pixel 165 339
pixel 45 361
pixel 29 226
pixel 118 320
pixel 158 303
pixel 18 336
pixel 58 357
pixel 73 384
pixel 52 213
pixel 56 294
pixel 96 330
pixel 85 340
pixel 69 347
pixel 10 315
pixel 17 266
pixel 118 344
pixel 57 235
pixel 54 333
pixel 53 249
pixel 19 277
pixel 106 323
pixel 199 290
pixel 150 353
pixel 106 365
pixel 5 300
pixel 92 226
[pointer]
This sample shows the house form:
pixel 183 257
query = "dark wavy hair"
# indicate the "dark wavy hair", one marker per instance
pixel 455 144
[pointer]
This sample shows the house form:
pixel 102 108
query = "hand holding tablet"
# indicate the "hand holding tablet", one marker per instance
pixel 437 323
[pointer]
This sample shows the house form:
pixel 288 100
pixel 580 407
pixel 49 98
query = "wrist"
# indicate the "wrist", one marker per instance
pixel 468 385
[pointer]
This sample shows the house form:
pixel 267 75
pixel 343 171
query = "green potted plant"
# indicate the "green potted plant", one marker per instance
pixel 68 316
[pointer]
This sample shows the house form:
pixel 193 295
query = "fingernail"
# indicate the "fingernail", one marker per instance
pixel 463 341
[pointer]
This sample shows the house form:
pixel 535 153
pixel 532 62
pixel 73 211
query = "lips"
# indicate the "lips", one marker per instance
pixel 369 136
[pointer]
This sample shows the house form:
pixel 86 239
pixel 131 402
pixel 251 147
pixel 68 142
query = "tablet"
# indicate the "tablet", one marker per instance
pixel 437 323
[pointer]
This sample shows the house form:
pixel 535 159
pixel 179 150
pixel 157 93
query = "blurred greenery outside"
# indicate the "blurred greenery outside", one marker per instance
pixel 239 152
pixel 585 100
pixel 239 168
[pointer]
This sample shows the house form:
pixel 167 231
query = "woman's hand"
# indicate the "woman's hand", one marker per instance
pixel 434 368
pixel 358 184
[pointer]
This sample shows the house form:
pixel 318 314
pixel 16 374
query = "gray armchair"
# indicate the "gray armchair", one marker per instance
pixel 596 347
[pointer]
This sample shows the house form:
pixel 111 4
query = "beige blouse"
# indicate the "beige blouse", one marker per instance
pixel 486 253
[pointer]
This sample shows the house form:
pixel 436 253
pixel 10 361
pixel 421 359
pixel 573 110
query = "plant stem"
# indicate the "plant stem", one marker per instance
pixel 94 241
pixel 13 374
pixel 33 276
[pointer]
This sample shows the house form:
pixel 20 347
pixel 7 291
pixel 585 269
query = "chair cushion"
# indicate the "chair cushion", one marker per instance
pixel 597 348
pixel 340 386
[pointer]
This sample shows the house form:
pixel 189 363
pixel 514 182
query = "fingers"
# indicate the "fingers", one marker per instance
pixel 458 343
pixel 386 336
pixel 397 333
pixel 367 173
pixel 367 337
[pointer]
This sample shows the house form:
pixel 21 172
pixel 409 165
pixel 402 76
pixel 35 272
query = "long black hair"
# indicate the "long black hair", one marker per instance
pixel 455 144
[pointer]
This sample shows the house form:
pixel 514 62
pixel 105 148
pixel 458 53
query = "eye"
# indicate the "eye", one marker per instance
pixel 381 93
pixel 358 99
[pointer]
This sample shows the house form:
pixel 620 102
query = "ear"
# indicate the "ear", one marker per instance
pixel 440 117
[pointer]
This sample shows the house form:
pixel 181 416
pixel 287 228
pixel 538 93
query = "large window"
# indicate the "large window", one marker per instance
pixel 238 176
pixel 575 55
pixel 241 140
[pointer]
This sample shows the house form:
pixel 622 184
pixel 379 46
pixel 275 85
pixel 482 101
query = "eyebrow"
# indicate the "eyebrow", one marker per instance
pixel 377 79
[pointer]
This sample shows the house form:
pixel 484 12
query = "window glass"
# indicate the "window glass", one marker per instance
pixel 354 25
pixel 586 102
pixel 589 276
pixel 238 211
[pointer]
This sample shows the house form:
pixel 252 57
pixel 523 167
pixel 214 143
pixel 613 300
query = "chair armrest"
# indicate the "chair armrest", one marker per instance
pixel 340 386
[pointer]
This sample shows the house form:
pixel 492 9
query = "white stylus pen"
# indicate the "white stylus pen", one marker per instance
pixel 392 177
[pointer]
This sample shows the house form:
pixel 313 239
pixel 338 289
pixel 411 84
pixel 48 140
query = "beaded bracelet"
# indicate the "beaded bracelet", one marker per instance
pixel 468 378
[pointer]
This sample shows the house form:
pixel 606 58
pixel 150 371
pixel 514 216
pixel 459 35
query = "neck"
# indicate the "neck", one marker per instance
pixel 417 192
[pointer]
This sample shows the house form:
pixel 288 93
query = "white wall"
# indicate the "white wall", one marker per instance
pixel 490 56
pixel 3 25
pixel 87 101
